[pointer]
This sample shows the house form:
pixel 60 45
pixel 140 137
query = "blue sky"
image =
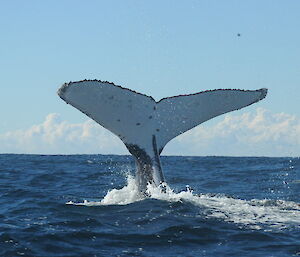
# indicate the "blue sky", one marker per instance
pixel 160 48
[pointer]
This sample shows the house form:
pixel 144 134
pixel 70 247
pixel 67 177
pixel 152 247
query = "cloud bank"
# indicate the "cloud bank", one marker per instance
pixel 55 136
pixel 260 133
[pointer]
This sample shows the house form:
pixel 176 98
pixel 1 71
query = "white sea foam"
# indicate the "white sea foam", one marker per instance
pixel 254 213
pixel 126 195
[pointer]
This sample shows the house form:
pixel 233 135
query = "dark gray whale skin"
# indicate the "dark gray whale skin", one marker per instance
pixel 146 167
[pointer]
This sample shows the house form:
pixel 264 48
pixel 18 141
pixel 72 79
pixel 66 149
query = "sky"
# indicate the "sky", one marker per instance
pixel 159 48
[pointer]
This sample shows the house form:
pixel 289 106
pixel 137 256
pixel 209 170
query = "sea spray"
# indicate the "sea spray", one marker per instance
pixel 126 195
pixel 256 214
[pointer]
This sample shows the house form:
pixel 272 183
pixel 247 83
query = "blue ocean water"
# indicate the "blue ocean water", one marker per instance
pixel 88 205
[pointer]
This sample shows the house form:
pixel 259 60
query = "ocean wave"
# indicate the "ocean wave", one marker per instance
pixel 255 213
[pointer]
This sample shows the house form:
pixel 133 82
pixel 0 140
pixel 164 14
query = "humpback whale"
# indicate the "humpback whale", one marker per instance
pixel 144 125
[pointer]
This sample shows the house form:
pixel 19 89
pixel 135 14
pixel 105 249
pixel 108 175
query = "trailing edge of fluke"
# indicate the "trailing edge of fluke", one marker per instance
pixel 146 126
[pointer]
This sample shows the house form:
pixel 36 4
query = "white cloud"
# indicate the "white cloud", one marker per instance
pixel 54 136
pixel 249 134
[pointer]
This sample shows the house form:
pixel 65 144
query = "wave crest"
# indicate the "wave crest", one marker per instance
pixel 254 213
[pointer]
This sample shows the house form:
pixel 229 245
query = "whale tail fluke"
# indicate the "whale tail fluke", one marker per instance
pixel 135 117
pixel 146 126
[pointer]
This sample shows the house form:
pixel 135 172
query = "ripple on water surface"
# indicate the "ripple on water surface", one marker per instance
pixel 229 213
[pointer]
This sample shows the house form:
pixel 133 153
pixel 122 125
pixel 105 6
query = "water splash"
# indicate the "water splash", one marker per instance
pixel 255 214
pixel 126 195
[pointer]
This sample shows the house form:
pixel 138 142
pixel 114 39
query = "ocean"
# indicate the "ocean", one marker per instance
pixel 88 205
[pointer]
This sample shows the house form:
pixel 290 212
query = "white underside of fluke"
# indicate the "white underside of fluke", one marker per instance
pixel 135 118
